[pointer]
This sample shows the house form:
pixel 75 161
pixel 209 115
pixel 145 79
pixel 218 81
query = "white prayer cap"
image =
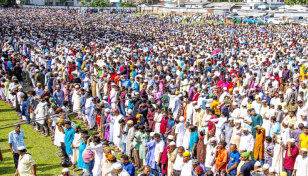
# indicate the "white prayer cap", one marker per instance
pixel 136 93
pixel 266 92
pixel 113 84
pixel 152 134
pixel 243 94
pixel 117 166
pixel 180 95
pixel 194 102
pixel 230 119
pixel 291 140
pixel 264 101
pixel 234 103
pixel 213 139
pixel 38 83
pixel 20 87
pixel 286 122
pixel 170 137
pixel 37 70
pixel 304 114
pixel 207 105
pixel 271 169
pixel 267 115
pixel 129 111
pixel 258 163
pixel 21 148
pixel 57 85
pixel 266 166
pixel 105 97
pixel 278 136
pixel 285 111
pixel 76 86
pixel 172 143
pixel 224 88
pixel 182 119
pixel 304 149
pixel 107 110
pixel 237 121
pixel 244 129
pixel 197 107
pixel 65 170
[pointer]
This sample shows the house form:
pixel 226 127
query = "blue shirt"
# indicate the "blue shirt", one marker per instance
pixel 193 139
pixel 234 158
pixel 275 129
pixel 129 168
pixel 17 140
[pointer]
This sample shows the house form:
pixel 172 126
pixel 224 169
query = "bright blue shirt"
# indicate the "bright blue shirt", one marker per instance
pixel 16 140
pixel 234 158
pixel 193 139
pixel 129 168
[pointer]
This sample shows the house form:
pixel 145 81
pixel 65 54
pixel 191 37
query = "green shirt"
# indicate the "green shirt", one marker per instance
pixel 166 99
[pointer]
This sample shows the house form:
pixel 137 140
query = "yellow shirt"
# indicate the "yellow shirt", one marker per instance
pixel 303 141
pixel 248 106
pixel 25 164
pixel 214 106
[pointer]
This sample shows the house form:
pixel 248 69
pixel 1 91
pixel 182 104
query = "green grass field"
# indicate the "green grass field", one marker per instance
pixel 41 149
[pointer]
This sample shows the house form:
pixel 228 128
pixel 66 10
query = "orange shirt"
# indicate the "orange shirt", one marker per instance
pixel 222 156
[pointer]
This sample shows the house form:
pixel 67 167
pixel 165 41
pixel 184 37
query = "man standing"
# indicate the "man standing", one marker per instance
pixel 160 145
pixel 233 161
pixel 89 110
pixel 187 168
pixel 58 96
pixel 129 167
pixel 68 138
pixel 26 164
pixel 290 157
pixel 76 144
pixel 247 166
pixel 256 120
pixel 303 138
pixel 40 77
pixel 222 156
pixel 180 132
pixel 16 139
pixel 247 142
pixel 259 144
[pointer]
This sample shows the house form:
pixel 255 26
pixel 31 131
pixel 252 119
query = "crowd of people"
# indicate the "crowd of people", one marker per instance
pixel 174 99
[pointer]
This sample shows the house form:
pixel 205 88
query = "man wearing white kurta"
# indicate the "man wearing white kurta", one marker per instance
pixel 76 99
pixel 89 110
pixel 119 170
pixel 99 153
pixel 41 112
pixel 186 138
pixel 117 139
pixel 175 105
pixel 247 141
pixel 180 132
pixel 211 144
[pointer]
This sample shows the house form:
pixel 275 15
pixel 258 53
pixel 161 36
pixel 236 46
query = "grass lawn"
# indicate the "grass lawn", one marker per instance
pixel 44 154
pixel 41 149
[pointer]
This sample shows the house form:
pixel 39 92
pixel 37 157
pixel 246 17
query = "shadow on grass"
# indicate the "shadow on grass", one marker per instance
pixel 46 167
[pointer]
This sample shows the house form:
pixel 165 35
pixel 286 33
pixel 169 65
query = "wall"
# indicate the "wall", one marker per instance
pixel 180 11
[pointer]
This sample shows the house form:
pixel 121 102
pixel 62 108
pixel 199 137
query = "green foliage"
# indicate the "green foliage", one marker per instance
pixel 101 3
pixel 82 3
pixel 90 4
pixel 127 4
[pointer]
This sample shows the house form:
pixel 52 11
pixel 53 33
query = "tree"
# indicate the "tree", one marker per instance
pixel 82 3
pixel 127 4
pixel 101 3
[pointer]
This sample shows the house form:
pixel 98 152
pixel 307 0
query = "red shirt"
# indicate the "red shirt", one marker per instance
pixel 289 162
pixel 98 119
pixel 163 125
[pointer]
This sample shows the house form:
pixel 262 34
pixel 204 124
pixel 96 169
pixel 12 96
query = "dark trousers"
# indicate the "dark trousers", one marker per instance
pixel 64 151
pixel 16 157
pixel 176 172
pixel 289 172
